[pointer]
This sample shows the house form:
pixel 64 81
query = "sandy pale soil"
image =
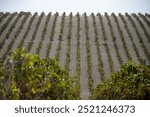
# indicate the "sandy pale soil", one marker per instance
pixel 84 79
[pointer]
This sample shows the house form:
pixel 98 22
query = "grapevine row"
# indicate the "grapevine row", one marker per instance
pixel 100 62
pixel 19 29
pixel 3 16
pixel 35 32
pixel 51 35
pixel 78 52
pixel 111 64
pixel 139 36
pixel 88 51
pixel 43 34
pixel 4 26
pixel 2 43
pixel 130 36
pixel 145 19
pixel 143 27
pixel 60 36
pixel 148 15
pixel 67 62
pixel 13 25
pixel 27 31
pixel 122 38
pixel 114 40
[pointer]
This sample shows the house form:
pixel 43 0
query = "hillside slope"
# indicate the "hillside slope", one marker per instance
pixel 90 47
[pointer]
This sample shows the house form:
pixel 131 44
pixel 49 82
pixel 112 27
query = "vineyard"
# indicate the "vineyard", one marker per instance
pixel 90 47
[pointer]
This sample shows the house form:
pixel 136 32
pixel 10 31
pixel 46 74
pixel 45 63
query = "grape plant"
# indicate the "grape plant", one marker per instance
pixel 87 46
pixel 49 45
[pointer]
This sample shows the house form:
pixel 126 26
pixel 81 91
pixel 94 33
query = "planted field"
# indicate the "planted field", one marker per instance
pixel 89 47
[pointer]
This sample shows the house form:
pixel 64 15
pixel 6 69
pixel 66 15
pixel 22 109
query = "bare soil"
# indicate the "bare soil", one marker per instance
pixel 93 49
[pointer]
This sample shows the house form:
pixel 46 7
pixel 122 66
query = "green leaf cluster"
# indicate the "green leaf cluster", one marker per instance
pixel 2 88
pixel 132 82
pixel 36 78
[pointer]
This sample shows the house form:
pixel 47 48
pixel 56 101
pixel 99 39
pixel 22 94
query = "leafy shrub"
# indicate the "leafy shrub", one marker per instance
pixel 35 78
pixel 2 89
pixel 131 82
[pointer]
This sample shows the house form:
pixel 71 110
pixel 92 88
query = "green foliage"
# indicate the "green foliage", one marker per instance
pixel 111 63
pixel 78 57
pixel 2 89
pixel 35 78
pixel 100 63
pixel 129 34
pixel 145 50
pixel 131 82
pixel 88 51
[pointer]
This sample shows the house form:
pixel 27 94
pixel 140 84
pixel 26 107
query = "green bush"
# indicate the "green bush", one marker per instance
pixel 35 78
pixel 2 88
pixel 132 82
